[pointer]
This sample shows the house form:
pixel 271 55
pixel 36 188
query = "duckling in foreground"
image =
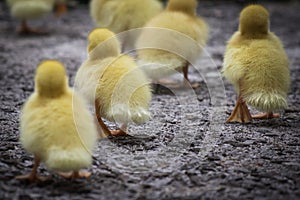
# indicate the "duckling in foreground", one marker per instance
pixel 113 83
pixel 27 10
pixel 56 126
pixel 181 20
pixel 256 64
pixel 123 15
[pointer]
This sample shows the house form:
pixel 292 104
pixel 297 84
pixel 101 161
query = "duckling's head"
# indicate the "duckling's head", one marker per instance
pixel 254 21
pixel 50 79
pixel 100 35
pixel 186 6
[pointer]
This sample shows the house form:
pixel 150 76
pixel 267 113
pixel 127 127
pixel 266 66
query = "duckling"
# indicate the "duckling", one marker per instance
pixel 60 7
pixel 29 9
pixel 113 83
pixel 123 15
pixel 181 20
pixel 256 64
pixel 56 126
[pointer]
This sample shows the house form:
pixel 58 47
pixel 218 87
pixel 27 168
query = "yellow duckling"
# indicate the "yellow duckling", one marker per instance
pixel 256 64
pixel 181 20
pixel 113 83
pixel 123 15
pixel 27 10
pixel 56 127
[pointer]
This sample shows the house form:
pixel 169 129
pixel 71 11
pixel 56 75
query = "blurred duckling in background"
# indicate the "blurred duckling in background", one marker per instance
pixel 256 64
pixel 56 126
pixel 113 83
pixel 60 7
pixel 123 15
pixel 29 9
pixel 181 19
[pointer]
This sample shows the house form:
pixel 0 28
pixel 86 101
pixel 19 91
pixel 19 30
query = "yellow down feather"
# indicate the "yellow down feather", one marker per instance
pixel 122 15
pixel 55 124
pixel 255 57
pixel 113 79
pixel 178 21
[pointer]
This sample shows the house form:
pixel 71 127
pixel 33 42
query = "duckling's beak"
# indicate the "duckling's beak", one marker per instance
pixel 60 9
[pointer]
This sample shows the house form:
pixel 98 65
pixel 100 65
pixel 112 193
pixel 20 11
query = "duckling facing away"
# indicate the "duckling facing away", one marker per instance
pixel 181 20
pixel 113 83
pixel 56 126
pixel 256 64
pixel 123 15
pixel 27 10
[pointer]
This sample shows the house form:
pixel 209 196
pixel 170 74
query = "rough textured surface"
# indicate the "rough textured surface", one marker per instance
pixel 186 151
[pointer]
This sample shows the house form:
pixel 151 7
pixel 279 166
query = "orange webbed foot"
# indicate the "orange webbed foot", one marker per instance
pixel 269 115
pixel 32 178
pixel 26 30
pixel 240 113
pixel 60 9
pixel 118 132
pixel 188 84
pixel 174 85
pixel 75 174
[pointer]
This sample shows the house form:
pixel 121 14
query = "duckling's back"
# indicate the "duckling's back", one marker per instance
pixel 190 26
pixel 262 67
pixel 60 131
pixel 171 28
pixel 29 9
pixel 122 15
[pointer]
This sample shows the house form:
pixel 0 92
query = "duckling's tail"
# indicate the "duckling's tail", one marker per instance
pixel 267 101
pixel 124 114
pixel 140 115
pixel 67 160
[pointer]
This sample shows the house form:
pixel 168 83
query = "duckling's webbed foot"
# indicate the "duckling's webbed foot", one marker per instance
pixel 60 9
pixel 120 132
pixel 104 128
pixel 174 85
pixel 26 30
pixel 268 115
pixel 186 82
pixel 75 174
pixel 33 177
pixel 166 82
pixel 240 113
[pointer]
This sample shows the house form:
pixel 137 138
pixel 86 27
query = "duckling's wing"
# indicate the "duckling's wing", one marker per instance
pixel 234 67
pixel 202 31
pixel 124 92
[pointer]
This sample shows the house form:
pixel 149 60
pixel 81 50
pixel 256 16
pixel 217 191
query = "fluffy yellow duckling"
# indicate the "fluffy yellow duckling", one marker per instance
pixel 123 15
pixel 27 10
pixel 56 127
pixel 60 7
pixel 181 20
pixel 256 64
pixel 113 83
